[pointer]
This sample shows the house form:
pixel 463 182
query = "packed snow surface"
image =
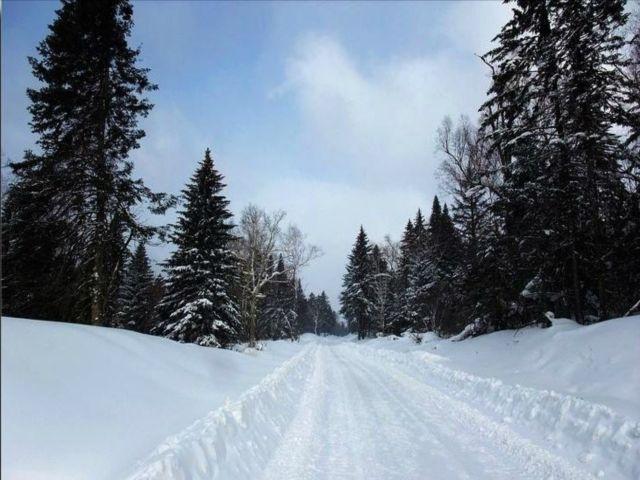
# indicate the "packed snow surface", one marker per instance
pixel 84 402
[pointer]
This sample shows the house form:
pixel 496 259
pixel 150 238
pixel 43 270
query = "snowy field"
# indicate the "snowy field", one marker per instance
pixel 92 403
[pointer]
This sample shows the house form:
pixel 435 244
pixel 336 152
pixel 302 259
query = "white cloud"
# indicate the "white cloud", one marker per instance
pixel 471 25
pixel 378 121
pixel 376 124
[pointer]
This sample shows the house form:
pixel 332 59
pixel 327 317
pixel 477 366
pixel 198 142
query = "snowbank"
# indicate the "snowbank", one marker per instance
pixel 82 402
pixel 237 440
pixel 598 363
pixel 573 389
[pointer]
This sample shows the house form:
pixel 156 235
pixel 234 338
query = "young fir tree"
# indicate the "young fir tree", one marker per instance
pixel 197 307
pixel 357 294
pixel 327 318
pixel 420 277
pixel 301 308
pixel 381 285
pixel 136 303
pixel 85 113
pixel 279 311
pixel 447 259
pixel 399 317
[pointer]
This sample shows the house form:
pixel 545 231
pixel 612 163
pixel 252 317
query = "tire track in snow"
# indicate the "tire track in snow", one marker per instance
pixel 504 454
pixel 350 412
pixel 601 439
pixel 235 441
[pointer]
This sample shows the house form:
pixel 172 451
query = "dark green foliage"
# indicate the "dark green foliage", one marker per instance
pixel 138 295
pixel 324 321
pixel 74 202
pixel 198 307
pixel 278 309
pixel 357 297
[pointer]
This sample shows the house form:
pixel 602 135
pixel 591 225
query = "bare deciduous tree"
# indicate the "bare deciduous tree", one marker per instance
pixel 261 238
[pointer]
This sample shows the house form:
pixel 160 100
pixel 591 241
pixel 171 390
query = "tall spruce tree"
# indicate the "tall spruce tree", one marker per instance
pixel 85 113
pixel 357 294
pixel 556 88
pixel 198 307
pixel 420 276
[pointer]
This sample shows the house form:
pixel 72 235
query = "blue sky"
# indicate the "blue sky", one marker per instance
pixel 325 110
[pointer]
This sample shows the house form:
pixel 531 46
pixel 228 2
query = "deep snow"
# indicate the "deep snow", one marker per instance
pixel 82 402
pixel 599 363
pixel 86 402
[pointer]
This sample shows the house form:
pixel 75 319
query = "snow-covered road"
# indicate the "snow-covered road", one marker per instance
pixel 365 419
pixel 346 411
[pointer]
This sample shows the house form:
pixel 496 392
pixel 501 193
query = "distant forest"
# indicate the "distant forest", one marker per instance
pixel 542 212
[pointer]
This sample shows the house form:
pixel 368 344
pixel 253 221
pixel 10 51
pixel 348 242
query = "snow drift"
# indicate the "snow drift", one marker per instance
pixel 595 415
pixel 86 402
pixel 237 440
pixel 81 402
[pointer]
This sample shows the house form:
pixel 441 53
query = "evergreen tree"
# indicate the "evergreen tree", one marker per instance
pixel 381 278
pixel 85 114
pixel 420 276
pixel 301 308
pixel 279 305
pixel 399 317
pixel 557 85
pixel 324 321
pixel 327 318
pixel 37 268
pixel 136 304
pixel 357 294
pixel 198 307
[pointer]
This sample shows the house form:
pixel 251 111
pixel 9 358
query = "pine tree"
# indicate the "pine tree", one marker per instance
pixel 327 318
pixel 557 85
pixel 381 283
pixel 301 308
pixel 136 304
pixel 357 296
pixel 419 276
pixel 85 114
pixel 38 267
pixel 399 317
pixel 198 307
pixel 279 305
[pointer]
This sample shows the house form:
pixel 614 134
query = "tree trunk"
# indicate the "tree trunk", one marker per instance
pixel 252 322
pixel 577 300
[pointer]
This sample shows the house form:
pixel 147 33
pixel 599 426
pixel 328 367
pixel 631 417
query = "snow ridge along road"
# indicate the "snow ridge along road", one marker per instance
pixel 344 411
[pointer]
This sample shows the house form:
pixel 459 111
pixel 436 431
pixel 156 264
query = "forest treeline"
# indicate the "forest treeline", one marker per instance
pixel 544 192
pixel 542 215
pixel 73 236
